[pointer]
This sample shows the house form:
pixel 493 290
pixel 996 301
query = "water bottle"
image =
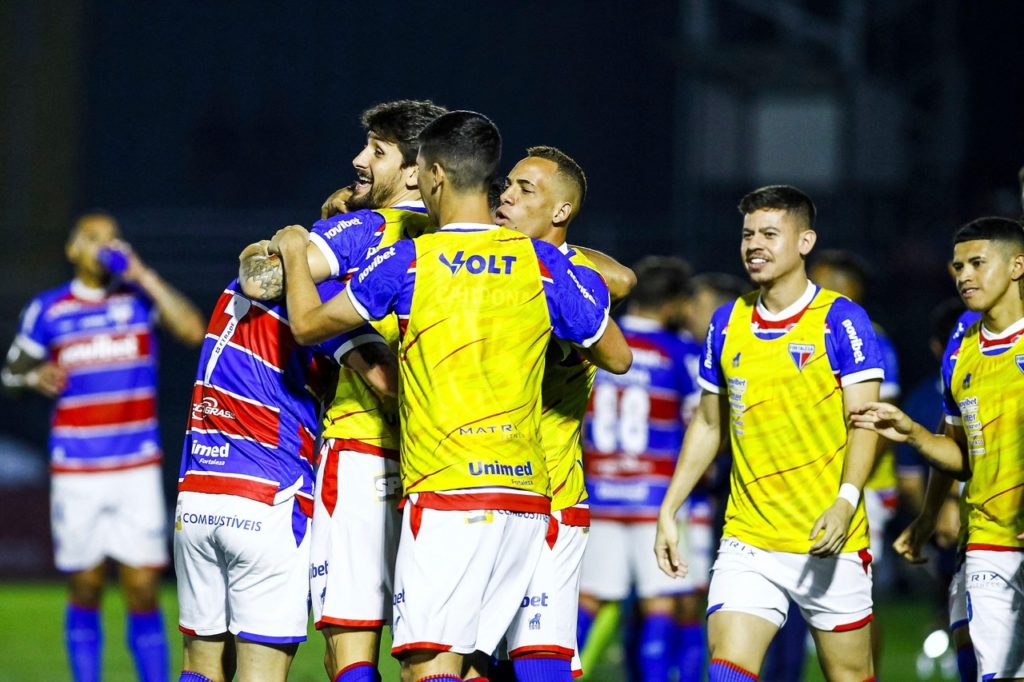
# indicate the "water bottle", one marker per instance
pixel 114 260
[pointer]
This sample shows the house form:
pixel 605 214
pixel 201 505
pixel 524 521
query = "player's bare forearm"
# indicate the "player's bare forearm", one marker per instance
pixel 177 314
pixel 312 321
pixel 701 444
pixel 945 452
pixel 618 277
pixel 611 352
pixel 861 444
pixel 22 371
pixel 377 365
pixel 260 274
pixel 936 493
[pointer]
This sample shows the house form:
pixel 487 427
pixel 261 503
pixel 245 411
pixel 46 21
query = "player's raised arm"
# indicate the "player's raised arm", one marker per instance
pixel 701 443
pixel 619 278
pixel 945 452
pixel 611 352
pixel 261 274
pixel 177 314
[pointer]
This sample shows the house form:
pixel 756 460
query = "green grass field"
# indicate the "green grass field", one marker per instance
pixel 32 647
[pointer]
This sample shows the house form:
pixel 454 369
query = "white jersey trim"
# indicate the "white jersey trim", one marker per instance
pixel 328 253
pixel 862 376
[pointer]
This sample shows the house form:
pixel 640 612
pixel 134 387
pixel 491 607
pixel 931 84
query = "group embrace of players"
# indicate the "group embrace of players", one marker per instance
pixel 392 421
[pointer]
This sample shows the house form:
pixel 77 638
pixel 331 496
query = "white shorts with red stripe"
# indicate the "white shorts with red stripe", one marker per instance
pixel 462 570
pixel 833 593
pixel 117 514
pixel 356 523
pixel 547 615
pixel 880 507
pixel 995 592
pixel 242 567
pixel 619 556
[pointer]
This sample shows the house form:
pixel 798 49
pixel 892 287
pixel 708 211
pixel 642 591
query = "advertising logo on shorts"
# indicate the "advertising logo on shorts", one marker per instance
pixel 387 487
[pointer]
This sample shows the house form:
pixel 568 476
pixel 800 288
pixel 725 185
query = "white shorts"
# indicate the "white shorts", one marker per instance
pixel 621 554
pixel 879 505
pixel 833 593
pixel 995 593
pixel 354 541
pixel 461 576
pixel 547 615
pixel 116 514
pixel 242 567
pixel 958 597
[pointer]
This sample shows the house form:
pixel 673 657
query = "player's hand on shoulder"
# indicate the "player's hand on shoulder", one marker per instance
pixel 286 237
pixel 910 542
pixel 831 529
pixel 887 420
pixel 666 548
pixel 48 378
pixel 336 203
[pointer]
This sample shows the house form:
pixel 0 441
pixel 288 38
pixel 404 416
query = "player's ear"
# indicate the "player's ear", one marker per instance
pixel 438 174
pixel 1017 267
pixel 410 175
pixel 562 213
pixel 806 241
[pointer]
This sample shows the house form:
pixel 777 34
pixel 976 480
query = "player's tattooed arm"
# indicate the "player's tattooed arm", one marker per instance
pixel 22 371
pixel 618 277
pixel 261 273
pixel 701 444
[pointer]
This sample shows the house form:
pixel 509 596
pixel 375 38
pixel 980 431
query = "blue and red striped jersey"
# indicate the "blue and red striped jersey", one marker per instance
pixel 256 403
pixel 104 339
pixel 634 426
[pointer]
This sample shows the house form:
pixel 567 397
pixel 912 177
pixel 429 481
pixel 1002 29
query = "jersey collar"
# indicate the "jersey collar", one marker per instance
pixel 794 308
pixel 1007 337
pixel 411 205
pixel 83 291
pixel 467 227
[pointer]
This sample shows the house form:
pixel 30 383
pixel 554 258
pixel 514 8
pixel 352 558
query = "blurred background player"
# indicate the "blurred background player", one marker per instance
pixel 981 443
pixel 845 273
pixel 632 434
pixel 770 366
pixel 543 194
pixel 91 345
pixel 473 526
pixel 355 516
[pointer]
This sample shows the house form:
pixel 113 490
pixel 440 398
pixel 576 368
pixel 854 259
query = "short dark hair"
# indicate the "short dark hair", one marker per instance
pixel 991 229
pixel 467 145
pixel 781 198
pixel 91 214
pixel 660 279
pixel 401 122
pixel 567 168
pixel 845 261
pixel 727 287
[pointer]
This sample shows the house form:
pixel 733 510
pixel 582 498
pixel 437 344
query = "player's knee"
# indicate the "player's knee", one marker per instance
pixel 85 588
pixel 140 587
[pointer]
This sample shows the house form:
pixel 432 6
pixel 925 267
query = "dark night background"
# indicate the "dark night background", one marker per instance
pixel 207 125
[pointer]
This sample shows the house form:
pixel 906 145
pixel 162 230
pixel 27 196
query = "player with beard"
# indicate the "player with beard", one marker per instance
pixel 781 368
pixel 543 194
pixel 355 519
pixel 474 523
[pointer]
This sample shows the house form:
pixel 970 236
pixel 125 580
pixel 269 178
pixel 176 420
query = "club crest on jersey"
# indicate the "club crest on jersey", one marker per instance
pixel 801 354
pixel 1019 359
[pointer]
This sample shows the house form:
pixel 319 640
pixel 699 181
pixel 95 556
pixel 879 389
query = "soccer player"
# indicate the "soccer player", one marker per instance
pixel 780 369
pixel 91 345
pixel 356 522
pixel 477 305
pixel 982 443
pixel 632 435
pixel 543 194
